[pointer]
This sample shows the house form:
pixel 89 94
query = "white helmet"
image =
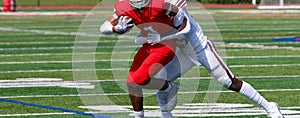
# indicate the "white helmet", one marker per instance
pixel 139 3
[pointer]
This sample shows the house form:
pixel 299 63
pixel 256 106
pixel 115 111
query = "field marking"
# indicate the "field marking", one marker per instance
pixel 118 69
pixel 64 62
pixel 195 110
pixel 235 38
pixel 38 31
pixel 259 11
pixel 57 54
pixel 255 57
pixel 68 47
pixel 122 40
pixel 48 32
pixel 245 45
pixel 44 82
pixel 128 60
pixel 235 45
pixel 52 108
pixel 98 35
pixel 263 65
pixel 92 34
pixel 124 94
pixel 96 53
pixel 260 29
pixel 146 93
pixel 56 13
pixel 34 114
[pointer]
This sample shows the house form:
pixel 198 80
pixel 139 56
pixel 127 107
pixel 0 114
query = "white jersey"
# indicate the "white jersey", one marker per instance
pixel 196 40
pixel 196 49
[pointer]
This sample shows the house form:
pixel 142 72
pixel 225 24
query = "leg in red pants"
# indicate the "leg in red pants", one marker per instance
pixel 147 62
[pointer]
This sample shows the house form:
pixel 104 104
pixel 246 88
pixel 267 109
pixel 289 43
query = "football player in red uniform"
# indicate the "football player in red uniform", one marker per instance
pixel 154 21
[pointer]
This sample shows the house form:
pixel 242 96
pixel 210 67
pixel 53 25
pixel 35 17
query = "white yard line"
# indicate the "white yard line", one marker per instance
pixel 149 93
pixel 57 54
pixel 98 53
pixel 130 37
pixel 33 114
pixel 44 13
pixel 118 69
pixel 259 11
pixel 127 60
pixel 81 61
pixel 266 65
pixel 236 45
pixel 260 29
pixel 126 40
pixel 60 70
pixel 68 47
pixel 256 57
pixel 95 35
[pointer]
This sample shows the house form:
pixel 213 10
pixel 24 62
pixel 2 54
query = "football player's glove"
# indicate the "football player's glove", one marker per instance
pixel 151 39
pixel 124 24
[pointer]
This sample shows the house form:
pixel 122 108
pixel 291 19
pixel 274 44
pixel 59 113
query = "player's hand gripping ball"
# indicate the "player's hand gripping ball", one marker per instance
pixel 124 24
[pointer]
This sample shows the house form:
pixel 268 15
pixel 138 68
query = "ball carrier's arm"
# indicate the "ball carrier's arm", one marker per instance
pixel 180 23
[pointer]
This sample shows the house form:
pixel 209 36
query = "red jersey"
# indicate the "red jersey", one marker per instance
pixel 150 19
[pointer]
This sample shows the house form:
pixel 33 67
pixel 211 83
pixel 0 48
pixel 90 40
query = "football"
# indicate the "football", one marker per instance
pixel 122 19
pixel 125 19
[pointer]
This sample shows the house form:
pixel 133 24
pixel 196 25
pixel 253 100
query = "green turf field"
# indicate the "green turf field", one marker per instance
pixel 67 63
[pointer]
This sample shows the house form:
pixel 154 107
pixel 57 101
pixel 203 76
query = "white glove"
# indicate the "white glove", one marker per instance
pixel 151 39
pixel 139 40
pixel 123 25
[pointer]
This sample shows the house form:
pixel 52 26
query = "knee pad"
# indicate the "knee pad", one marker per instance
pixel 221 75
pixel 225 81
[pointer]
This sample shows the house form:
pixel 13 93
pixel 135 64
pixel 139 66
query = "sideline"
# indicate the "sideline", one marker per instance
pixel 53 108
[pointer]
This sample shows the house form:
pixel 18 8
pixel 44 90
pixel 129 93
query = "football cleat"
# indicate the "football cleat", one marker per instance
pixel 168 100
pixel 274 111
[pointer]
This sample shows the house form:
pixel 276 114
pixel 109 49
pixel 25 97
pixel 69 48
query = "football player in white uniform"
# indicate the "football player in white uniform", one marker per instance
pixel 196 49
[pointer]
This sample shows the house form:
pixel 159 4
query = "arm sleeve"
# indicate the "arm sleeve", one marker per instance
pixel 178 19
pixel 176 6
pixel 181 34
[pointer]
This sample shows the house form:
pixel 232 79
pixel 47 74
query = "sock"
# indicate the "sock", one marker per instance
pixel 139 114
pixel 166 115
pixel 169 88
pixel 248 91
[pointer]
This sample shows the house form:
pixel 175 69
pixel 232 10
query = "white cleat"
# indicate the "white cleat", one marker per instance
pixel 274 110
pixel 168 100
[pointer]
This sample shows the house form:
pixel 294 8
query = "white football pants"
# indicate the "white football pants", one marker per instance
pixel 208 57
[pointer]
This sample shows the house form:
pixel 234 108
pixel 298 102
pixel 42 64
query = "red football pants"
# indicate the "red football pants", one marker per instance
pixel 149 60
